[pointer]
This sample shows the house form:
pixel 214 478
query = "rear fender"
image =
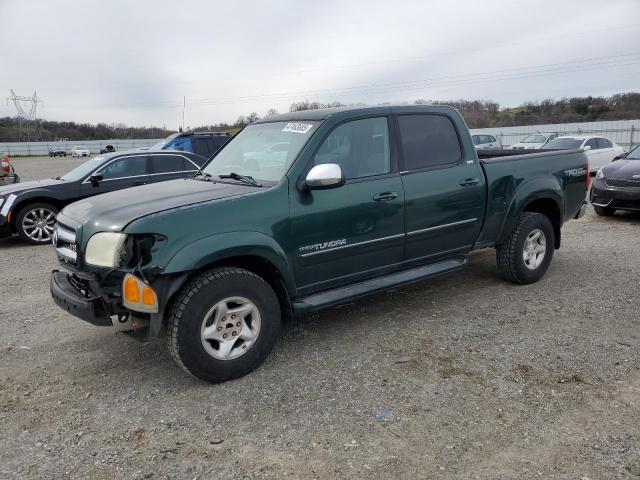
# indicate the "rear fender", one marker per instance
pixel 527 193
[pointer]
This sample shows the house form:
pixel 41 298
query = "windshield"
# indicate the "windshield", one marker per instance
pixel 83 169
pixel 564 144
pixel 263 151
pixel 534 139
pixel 633 154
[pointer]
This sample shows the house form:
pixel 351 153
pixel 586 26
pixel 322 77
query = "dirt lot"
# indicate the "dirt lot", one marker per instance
pixel 460 377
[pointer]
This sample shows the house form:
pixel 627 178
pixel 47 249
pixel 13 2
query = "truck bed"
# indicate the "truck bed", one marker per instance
pixel 515 178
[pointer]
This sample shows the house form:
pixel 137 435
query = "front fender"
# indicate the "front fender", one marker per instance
pixel 214 248
pixel 527 192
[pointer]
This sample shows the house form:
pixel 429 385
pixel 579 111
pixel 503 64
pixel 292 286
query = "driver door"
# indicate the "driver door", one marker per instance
pixel 355 231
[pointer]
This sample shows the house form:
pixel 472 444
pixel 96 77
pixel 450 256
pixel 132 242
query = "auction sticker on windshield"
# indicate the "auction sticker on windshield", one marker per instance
pixel 297 127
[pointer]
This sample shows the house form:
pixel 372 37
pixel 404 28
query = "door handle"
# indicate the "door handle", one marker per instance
pixel 469 182
pixel 139 182
pixel 385 196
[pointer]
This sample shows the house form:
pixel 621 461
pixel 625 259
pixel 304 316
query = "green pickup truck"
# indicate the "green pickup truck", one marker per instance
pixel 302 211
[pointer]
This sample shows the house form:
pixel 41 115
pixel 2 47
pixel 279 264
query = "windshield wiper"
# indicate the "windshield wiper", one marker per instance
pixel 242 178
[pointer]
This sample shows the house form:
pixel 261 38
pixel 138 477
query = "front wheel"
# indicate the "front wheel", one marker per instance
pixel 524 256
pixel 35 223
pixel 223 324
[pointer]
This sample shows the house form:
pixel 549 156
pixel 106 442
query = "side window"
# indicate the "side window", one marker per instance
pixel 428 141
pixel 125 167
pixel 188 165
pixel 180 143
pixel 490 139
pixel 593 143
pixel 166 164
pixel 360 147
pixel 604 143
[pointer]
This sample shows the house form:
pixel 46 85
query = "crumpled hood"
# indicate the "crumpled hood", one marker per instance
pixel 622 169
pixel 38 184
pixel 115 210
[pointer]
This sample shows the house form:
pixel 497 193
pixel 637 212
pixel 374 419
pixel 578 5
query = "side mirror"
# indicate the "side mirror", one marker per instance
pixel 586 148
pixel 96 179
pixel 324 176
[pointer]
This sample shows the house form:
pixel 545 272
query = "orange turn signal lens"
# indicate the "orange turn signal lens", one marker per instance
pixel 138 295
pixel 131 290
pixel 148 297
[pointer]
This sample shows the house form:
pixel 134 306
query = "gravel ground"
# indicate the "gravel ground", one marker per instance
pixel 464 376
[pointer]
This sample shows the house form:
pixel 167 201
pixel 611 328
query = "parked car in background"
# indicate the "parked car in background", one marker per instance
pixel 599 150
pixel 486 142
pixel 535 141
pixel 617 185
pixel 7 173
pixel 216 262
pixel 57 152
pixel 29 209
pixel 80 151
pixel 107 149
pixel 204 144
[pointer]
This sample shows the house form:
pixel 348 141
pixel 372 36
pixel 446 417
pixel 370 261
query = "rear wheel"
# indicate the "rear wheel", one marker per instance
pixel 524 256
pixel 604 211
pixel 223 324
pixel 35 223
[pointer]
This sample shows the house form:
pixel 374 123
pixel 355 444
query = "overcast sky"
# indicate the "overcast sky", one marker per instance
pixel 133 61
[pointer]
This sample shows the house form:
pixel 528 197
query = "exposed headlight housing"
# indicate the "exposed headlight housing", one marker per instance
pixel 600 174
pixel 106 249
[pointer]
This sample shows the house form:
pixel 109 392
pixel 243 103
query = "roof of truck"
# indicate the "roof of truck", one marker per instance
pixel 324 113
pixel 316 114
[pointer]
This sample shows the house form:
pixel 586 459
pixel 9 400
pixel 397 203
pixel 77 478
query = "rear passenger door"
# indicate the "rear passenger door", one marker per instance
pixel 170 166
pixel 443 185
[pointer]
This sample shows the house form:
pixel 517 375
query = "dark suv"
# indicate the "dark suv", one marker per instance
pixel 204 144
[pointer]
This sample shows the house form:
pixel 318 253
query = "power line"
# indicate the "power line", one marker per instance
pixel 516 73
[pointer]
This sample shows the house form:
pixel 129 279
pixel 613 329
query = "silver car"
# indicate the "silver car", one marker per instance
pixel 486 142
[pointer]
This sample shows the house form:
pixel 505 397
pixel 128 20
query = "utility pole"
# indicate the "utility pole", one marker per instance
pixel 184 105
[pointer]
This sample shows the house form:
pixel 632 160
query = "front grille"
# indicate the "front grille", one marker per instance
pixel 64 241
pixel 617 182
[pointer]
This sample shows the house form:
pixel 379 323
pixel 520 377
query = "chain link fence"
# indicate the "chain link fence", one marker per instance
pixel 625 133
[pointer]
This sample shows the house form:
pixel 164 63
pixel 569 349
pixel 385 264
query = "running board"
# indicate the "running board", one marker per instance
pixel 361 289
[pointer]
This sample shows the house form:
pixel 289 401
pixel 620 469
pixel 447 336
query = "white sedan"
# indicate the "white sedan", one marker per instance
pixel 534 142
pixel 599 150
pixel 80 151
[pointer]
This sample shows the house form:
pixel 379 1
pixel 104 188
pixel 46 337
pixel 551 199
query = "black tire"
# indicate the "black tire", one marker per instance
pixel 189 309
pixel 509 253
pixel 24 212
pixel 604 211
